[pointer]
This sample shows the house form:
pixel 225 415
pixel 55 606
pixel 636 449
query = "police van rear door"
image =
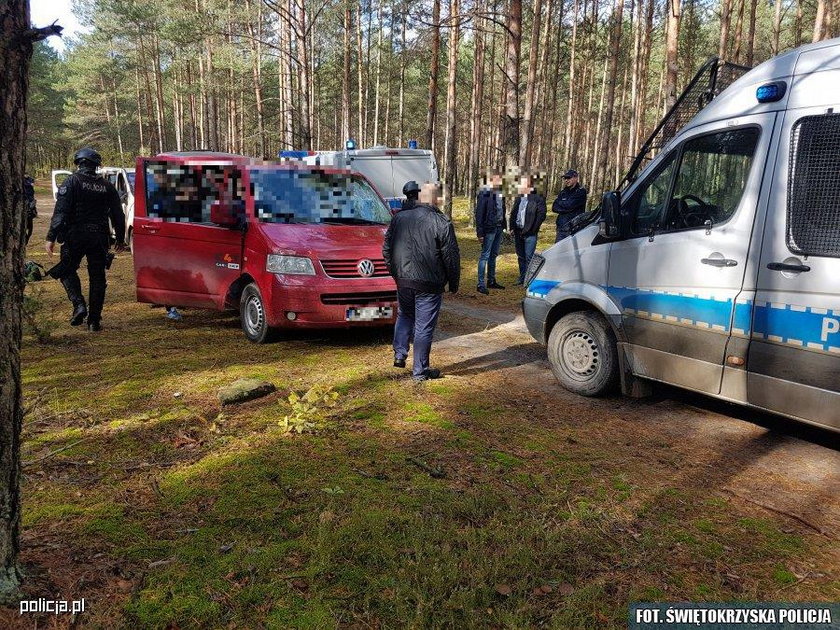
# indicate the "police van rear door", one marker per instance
pixel 794 354
pixel 378 168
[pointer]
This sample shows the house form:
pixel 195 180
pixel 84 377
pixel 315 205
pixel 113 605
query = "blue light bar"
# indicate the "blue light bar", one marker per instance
pixel 412 144
pixel 295 155
pixel 350 145
pixel 771 92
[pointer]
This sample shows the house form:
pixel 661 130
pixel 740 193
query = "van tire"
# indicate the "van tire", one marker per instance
pixel 252 314
pixel 583 355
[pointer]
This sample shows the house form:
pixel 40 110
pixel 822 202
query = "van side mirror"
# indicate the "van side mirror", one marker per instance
pixel 609 223
pixel 223 214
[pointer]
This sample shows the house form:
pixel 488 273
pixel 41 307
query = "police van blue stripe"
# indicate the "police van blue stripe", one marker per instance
pixel 685 309
pixel 794 325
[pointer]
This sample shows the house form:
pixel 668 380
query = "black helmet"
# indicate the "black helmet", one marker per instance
pixel 87 154
pixel 411 187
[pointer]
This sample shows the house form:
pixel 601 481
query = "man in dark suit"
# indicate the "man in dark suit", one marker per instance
pixel 570 203
pixel 526 217
pixel 490 214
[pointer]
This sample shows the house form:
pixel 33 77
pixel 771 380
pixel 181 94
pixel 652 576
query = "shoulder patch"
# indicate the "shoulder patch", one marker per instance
pixel 62 190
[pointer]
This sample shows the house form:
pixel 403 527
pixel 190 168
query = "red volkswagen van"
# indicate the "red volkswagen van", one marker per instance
pixel 290 246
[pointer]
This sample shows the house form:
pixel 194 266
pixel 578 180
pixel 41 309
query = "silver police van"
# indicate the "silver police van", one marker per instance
pixel 717 268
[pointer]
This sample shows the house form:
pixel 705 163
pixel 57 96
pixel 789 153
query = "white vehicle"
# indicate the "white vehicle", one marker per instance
pixel 717 269
pixel 123 181
pixel 388 169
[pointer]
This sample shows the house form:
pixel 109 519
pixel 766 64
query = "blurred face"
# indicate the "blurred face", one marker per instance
pixel 571 181
pixel 430 194
pixel 524 185
pixel 496 181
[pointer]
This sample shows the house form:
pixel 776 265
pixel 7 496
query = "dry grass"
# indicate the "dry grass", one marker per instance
pixel 167 511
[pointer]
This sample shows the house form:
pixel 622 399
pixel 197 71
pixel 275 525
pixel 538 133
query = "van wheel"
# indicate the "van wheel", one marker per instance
pixel 253 316
pixel 582 353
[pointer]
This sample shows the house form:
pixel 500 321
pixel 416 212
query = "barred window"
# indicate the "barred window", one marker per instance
pixel 813 210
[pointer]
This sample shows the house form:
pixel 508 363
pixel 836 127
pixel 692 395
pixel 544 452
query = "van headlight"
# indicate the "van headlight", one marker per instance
pixel 292 265
pixel 534 267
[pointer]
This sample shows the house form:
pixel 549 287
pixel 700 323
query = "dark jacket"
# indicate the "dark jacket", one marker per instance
pixel 85 201
pixel 534 215
pixel 486 216
pixel 421 250
pixel 570 203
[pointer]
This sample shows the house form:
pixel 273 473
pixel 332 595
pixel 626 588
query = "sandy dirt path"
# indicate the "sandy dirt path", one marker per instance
pixel 778 465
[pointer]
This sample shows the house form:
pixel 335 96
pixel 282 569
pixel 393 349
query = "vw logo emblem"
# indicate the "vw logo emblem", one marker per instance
pixel 365 268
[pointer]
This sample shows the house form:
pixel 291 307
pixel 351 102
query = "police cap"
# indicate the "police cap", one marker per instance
pixel 411 187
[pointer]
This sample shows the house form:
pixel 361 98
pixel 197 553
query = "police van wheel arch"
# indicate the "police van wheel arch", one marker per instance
pixel 252 313
pixel 582 353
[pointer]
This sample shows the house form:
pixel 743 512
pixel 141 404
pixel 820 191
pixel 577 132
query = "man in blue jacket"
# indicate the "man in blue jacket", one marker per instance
pixel 570 203
pixel 490 212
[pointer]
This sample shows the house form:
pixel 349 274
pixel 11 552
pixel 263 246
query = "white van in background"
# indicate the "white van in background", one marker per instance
pixel 718 268
pixel 123 181
pixel 387 168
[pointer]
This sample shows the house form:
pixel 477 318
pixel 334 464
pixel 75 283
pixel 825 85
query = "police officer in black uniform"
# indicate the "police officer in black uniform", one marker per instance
pixel 411 190
pixel 84 204
pixel 31 206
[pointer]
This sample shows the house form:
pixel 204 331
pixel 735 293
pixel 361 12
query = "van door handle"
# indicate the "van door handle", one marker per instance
pixel 780 266
pixel 719 262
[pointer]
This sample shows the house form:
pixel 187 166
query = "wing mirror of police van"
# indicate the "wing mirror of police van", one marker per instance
pixel 223 213
pixel 608 225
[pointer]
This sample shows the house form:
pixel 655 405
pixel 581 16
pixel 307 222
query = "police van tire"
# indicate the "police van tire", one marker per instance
pixel 583 354
pixel 252 313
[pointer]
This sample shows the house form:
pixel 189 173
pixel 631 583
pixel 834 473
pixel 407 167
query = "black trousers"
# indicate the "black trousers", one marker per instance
pixel 94 247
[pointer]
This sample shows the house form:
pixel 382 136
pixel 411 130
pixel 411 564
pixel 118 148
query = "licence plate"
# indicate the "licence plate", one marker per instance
pixel 368 313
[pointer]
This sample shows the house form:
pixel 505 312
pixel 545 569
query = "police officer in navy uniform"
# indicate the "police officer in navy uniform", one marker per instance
pixel 411 190
pixel 570 203
pixel 84 204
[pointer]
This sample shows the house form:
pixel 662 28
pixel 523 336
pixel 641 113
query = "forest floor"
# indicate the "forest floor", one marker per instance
pixel 490 498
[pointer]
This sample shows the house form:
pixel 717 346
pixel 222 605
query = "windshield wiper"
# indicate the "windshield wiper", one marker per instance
pixel 351 220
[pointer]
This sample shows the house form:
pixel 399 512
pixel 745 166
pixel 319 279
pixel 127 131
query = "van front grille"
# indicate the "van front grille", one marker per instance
pixel 359 299
pixel 349 268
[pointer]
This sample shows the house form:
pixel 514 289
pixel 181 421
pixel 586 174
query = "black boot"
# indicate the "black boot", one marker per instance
pixel 74 293
pixel 79 314
pixel 94 325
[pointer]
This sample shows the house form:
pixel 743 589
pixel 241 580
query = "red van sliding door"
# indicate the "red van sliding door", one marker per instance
pixel 180 257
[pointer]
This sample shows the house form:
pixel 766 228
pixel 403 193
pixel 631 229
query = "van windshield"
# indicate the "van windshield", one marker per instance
pixel 293 196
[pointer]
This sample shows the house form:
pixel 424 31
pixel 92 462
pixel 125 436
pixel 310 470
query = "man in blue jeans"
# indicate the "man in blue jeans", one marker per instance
pixel 421 252
pixel 490 214
pixel 526 217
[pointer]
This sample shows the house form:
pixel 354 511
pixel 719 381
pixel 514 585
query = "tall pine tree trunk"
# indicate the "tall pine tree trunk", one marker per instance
pixel 510 126
pixel 16 39
pixel 527 131
pixel 672 35
pixel 434 70
pixel 609 93
pixel 346 122
pixel 475 120
pixel 451 102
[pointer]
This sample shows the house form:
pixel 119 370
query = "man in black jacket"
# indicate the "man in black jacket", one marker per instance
pixel 490 214
pixel 526 217
pixel 421 252
pixel 84 204
pixel 570 203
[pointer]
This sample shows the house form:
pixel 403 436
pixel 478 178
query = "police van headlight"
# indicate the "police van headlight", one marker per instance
pixel 534 267
pixel 291 265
